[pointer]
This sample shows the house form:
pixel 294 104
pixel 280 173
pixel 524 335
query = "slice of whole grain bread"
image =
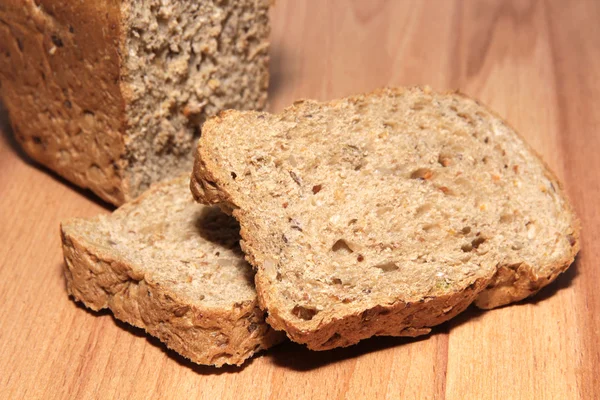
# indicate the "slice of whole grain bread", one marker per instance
pixel 174 268
pixel 386 213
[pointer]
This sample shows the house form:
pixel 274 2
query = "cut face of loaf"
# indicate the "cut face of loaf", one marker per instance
pixel 385 214
pixel 111 94
pixel 174 268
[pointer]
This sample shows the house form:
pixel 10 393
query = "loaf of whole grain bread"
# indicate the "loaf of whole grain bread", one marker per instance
pixel 174 268
pixel 111 94
pixel 386 213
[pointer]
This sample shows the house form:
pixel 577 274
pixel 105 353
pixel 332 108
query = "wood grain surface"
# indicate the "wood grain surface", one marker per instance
pixel 535 62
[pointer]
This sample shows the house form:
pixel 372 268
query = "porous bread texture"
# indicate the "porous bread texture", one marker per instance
pixel 174 268
pixel 111 95
pixel 186 61
pixel 386 213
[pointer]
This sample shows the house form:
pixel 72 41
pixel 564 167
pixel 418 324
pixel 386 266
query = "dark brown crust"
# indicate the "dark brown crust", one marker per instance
pixel 509 284
pixel 205 336
pixel 514 283
pixel 397 319
pixel 60 76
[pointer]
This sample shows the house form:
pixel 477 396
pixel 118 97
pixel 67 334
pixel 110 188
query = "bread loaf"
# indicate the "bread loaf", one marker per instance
pixel 111 94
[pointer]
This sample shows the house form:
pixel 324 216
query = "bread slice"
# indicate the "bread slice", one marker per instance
pixel 174 268
pixel 386 213
pixel 111 94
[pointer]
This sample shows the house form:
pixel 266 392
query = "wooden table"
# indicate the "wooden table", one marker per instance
pixel 535 62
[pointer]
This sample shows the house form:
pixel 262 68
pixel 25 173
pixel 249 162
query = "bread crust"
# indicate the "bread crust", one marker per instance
pixel 509 283
pixel 396 319
pixel 60 82
pixel 208 336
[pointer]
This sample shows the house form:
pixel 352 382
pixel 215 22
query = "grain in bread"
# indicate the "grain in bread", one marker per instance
pixel 111 94
pixel 386 213
pixel 174 268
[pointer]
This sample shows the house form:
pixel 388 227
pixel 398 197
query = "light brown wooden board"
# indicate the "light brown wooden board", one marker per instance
pixel 536 62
